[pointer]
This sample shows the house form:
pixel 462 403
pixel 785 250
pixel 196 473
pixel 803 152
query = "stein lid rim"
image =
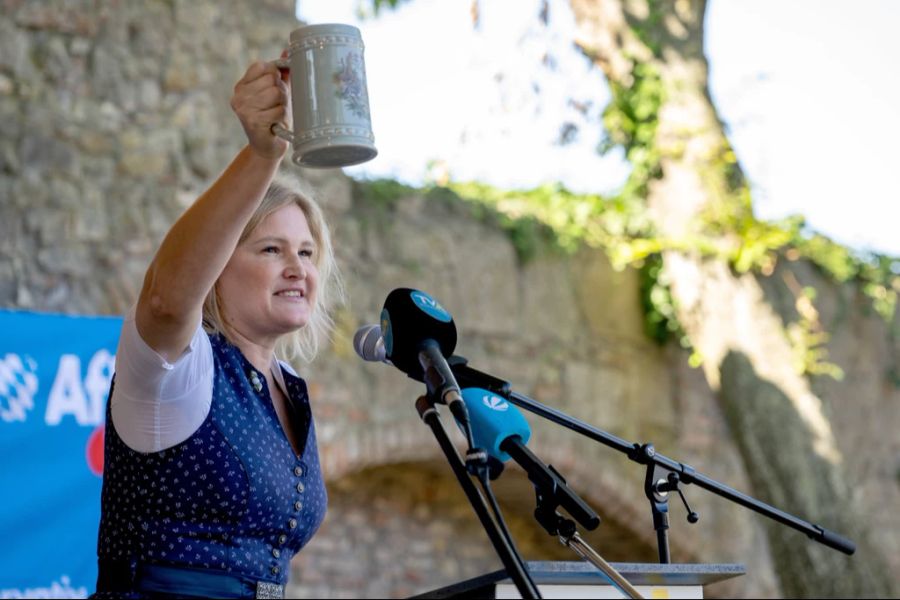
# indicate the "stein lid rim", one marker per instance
pixel 320 28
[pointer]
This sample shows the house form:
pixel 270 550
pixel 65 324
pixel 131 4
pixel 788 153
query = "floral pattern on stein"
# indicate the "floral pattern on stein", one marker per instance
pixel 351 85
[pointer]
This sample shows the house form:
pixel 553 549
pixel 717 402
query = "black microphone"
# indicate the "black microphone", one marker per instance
pixel 369 346
pixel 419 335
pixel 410 317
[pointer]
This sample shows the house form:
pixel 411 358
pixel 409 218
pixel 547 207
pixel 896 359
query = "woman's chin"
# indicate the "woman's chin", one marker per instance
pixel 285 319
pixel 294 322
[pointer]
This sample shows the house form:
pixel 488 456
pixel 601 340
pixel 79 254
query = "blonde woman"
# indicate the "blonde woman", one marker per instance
pixel 211 478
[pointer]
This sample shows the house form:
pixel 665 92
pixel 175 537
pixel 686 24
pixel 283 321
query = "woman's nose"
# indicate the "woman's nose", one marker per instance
pixel 295 268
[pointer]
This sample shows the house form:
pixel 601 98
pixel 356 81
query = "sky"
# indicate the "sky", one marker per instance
pixel 809 91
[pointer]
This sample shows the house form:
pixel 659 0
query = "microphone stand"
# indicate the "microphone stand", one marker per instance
pixel 551 491
pixel 511 560
pixel 663 474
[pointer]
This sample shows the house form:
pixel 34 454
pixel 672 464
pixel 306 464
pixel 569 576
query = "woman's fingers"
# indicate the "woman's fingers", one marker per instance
pixel 264 100
pixel 261 99
pixel 257 70
pixel 263 81
pixel 259 77
pixel 262 93
pixel 272 116
pixel 274 95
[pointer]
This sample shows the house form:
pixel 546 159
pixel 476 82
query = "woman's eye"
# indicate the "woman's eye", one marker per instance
pixel 271 249
pixel 306 253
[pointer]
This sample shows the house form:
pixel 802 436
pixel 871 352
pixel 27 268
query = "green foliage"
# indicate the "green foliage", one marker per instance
pixel 573 219
pixel 546 218
pixel 553 218
pixel 646 28
pixel 879 274
pixel 808 339
pixel 756 245
pixel 660 320
pixel 630 120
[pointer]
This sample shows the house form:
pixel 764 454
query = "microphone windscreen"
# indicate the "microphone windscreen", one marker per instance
pixel 368 343
pixel 493 419
pixel 409 318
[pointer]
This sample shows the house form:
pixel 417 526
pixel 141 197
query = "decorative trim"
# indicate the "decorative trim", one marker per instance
pixel 317 41
pixel 326 132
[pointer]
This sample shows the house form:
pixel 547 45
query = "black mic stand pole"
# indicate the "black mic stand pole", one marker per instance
pixel 664 475
pixel 513 563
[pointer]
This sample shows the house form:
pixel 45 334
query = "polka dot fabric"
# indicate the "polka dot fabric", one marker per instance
pixel 233 497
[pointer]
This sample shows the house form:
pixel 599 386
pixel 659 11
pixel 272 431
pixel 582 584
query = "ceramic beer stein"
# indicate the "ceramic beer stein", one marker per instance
pixel 332 125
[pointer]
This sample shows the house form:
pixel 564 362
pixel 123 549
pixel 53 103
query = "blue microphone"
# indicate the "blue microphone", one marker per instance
pixel 494 420
pixel 500 429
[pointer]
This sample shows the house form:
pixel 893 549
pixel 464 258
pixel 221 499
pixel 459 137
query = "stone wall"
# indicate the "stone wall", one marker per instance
pixel 114 116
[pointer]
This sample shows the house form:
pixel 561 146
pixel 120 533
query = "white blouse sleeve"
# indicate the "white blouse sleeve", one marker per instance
pixel 157 404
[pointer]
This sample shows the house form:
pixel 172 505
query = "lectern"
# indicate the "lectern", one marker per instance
pixel 584 580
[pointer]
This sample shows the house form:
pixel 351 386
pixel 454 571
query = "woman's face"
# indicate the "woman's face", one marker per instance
pixel 268 287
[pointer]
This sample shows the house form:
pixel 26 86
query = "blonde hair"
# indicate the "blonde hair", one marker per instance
pixel 303 343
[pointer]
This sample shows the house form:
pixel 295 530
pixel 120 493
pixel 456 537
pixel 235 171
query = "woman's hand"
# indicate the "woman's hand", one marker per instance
pixel 262 99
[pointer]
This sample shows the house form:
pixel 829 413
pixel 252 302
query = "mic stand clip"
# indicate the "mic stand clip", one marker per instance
pixel 658 482
pixel 546 490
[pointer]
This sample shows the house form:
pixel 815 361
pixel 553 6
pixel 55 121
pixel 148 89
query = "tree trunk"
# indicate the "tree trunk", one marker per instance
pixel 784 436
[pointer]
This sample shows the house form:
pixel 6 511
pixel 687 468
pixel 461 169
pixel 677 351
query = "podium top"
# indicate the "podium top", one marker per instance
pixel 584 573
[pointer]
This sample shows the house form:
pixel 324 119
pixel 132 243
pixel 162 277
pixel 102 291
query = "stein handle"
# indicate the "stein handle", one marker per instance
pixel 283 132
pixel 277 129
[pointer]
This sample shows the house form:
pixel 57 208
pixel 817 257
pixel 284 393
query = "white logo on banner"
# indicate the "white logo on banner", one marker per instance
pixel 18 384
pixel 69 394
pixel 84 400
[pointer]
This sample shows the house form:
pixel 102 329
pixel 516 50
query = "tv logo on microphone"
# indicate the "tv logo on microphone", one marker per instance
pixel 495 403
pixel 430 306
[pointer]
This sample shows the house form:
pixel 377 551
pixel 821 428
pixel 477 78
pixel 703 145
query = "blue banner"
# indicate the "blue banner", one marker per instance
pixel 55 372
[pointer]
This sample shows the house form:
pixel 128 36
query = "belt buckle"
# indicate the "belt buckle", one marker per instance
pixel 265 589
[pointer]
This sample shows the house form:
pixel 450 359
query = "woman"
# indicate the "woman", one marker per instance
pixel 211 478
